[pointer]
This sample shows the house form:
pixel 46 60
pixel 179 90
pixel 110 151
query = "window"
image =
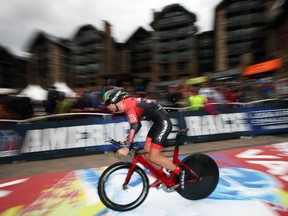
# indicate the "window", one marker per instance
pixel 233 60
pixel 182 66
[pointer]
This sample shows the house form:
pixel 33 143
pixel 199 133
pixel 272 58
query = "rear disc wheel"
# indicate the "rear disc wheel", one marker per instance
pixel 206 168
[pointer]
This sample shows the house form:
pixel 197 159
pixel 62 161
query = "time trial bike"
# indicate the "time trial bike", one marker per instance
pixel 124 186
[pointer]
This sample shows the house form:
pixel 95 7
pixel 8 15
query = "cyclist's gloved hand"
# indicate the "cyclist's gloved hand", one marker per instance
pixel 127 144
pixel 125 150
pixel 122 152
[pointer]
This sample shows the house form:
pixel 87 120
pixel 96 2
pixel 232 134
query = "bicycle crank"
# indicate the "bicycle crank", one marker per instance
pixel 169 189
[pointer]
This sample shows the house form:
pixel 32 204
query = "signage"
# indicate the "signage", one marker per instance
pixel 263 67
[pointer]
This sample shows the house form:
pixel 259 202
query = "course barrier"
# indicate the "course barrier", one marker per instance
pixel 86 133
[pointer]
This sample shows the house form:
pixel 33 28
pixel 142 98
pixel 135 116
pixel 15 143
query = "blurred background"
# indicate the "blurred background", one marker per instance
pixel 242 59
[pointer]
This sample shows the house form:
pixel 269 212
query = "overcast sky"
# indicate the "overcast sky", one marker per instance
pixel 19 19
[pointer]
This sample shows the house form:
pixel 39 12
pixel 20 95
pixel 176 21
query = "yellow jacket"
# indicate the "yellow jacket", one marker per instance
pixel 196 102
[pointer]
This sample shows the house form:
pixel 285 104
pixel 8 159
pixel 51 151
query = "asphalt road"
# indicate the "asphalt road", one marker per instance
pixel 28 168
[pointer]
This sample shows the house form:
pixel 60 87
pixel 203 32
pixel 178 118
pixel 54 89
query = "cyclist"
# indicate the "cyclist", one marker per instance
pixel 135 109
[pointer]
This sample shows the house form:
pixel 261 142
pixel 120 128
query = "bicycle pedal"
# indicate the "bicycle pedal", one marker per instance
pixel 167 173
pixel 169 189
pixel 160 186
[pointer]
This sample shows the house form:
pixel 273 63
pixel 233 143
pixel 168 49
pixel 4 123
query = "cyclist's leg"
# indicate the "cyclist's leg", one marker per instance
pixel 147 148
pixel 147 145
pixel 158 134
pixel 156 157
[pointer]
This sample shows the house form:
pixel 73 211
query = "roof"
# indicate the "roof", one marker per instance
pixel 170 8
pixel 87 27
pixel 140 32
pixel 41 35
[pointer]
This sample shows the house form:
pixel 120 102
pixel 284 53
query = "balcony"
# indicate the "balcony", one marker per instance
pixel 246 20
pixel 166 22
pixel 186 31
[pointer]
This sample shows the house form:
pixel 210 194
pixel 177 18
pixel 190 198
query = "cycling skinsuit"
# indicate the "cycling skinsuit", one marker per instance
pixel 137 108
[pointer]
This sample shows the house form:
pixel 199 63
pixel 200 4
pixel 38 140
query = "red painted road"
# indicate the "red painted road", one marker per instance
pixel 253 181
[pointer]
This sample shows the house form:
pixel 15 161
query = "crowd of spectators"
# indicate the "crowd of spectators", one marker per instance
pixel 224 93
pixel 207 95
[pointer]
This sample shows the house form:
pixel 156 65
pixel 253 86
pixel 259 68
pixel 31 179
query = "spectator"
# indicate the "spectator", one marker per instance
pixel 173 96
pixel 281 90
pixel 152 92
pixel 267 89
pixel 184 102
pixel 196 101
pixel 89 97
pixel 212 94
pixel 210 107
pixel 230 96
pixel 50 103
pixel 79 103
pixel 63 104
pixel 15 107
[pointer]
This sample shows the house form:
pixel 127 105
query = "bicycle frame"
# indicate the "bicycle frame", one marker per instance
pixel 159 174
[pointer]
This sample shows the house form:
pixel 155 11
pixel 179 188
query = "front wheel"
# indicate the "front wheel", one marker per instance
pixel 115 195
pixel 206 168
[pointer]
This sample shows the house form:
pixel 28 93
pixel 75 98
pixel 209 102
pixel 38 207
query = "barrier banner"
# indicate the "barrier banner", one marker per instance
pixel 268 119
pixel 76 136
pixel 230 123
pixel 10 141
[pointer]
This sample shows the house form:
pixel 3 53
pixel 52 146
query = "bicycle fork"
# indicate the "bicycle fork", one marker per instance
pixel 129 174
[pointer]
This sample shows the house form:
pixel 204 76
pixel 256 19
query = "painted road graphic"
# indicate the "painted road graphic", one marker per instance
pixel 253 181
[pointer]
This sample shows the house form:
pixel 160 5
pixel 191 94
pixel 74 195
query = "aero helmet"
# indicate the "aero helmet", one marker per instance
pixel 113 96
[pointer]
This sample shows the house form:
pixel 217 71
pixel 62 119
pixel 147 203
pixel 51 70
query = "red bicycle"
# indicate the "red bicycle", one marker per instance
pixel 123 186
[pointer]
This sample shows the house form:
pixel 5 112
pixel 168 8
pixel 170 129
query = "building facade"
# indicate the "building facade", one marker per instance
pixel 174 44
pixel 140 54
pixel 13 70
pixel 241 33
pixel 98 59
pixel 88 56
pixel 246 32
pixel 205 44
pixel 279 24
pixel 50 60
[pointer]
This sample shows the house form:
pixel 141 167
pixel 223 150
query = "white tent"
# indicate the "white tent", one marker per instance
pixel 62 87
pixel 5 91
pixel 35 92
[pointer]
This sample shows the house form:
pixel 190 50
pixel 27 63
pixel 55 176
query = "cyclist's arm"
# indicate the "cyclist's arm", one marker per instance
pixel 135 125
pixel 134 128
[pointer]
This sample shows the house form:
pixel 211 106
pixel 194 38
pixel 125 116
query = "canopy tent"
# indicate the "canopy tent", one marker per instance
pixel 62 87
pixel 34 92
pixel 6 91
